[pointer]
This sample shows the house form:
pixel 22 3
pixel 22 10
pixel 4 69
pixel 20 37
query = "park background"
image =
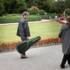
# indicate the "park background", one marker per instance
pixel 42 20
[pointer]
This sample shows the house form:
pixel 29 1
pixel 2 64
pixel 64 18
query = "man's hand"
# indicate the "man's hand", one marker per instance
pixel 61 21
pixel 59 39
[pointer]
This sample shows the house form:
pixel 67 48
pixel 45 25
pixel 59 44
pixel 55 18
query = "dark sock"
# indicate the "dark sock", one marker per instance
pixel 69 59
pixel 63 61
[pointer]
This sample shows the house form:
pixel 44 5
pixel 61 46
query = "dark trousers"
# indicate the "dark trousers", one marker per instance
pixel 66 57
pixel 23 40
pixel 69 59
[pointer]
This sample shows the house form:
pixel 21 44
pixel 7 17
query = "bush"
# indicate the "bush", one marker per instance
pixel 44 17
pixel 67 12
pixel 9 18
pixel 34 18
pixel 48 16
pixel 13 18
pixel 42 12
pixel 1 9
pixel 34 10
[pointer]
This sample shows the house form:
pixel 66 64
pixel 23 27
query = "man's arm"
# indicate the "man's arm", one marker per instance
pixel 61 21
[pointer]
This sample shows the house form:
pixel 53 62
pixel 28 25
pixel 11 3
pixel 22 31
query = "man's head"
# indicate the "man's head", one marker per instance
pixel 25 15
pixel 68 19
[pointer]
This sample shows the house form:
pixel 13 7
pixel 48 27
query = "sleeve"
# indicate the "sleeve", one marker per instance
pixel 22 28
pixel 61 32
pixel 18 29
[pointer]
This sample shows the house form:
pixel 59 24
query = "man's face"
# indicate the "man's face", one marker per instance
pixel 25 16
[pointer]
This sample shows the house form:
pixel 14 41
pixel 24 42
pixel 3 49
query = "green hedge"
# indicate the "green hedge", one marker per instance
pixel 9 18
pixel 34 18
pixel 15 18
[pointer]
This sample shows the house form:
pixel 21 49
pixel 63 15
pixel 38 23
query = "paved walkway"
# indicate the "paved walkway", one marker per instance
pixel 44 58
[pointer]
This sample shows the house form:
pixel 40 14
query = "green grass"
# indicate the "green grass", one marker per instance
pixel 43 29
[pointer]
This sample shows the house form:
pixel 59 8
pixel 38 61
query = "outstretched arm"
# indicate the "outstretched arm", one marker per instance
pixel 61 21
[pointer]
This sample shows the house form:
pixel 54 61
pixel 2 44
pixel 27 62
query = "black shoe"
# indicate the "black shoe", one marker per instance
pixel 23 56
pixel 62 66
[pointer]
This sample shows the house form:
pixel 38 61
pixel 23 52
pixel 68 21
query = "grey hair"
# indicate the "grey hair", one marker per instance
pixel 25 13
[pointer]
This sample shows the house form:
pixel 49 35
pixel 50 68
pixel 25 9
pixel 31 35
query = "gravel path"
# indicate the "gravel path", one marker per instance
pixel 43 58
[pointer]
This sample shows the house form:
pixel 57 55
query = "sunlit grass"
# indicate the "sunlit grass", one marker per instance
pixel 44 29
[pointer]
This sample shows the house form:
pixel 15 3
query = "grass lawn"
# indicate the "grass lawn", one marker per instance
pixel 44 29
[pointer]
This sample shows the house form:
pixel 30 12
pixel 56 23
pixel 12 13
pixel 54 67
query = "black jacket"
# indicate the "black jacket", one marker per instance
pixel 23 29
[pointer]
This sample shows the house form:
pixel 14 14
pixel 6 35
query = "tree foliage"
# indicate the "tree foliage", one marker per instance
pixel 59 6
pixel 1 7
pixel 17 6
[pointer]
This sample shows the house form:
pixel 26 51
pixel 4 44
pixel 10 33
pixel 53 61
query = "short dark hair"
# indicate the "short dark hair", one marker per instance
pixel 25 13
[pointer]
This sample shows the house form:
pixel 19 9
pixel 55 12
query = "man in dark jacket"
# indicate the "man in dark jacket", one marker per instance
pixel 23 29
pixel 65 36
